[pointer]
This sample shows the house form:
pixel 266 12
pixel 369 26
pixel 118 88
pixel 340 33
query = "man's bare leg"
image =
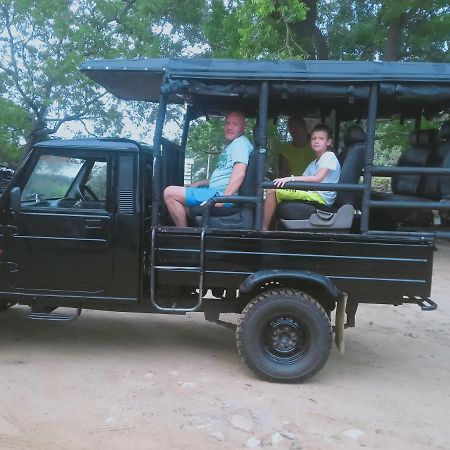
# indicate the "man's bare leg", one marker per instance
pixel 270 205
pixel 175 199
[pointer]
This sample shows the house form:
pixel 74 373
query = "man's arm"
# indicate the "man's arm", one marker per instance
pixel 236 178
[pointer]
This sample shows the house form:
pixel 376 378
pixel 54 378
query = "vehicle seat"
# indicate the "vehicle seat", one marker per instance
pixel 239 217
pixel 295 215
pixel 352 135
pixel 437 187
pixel 420 154
pixel 410 187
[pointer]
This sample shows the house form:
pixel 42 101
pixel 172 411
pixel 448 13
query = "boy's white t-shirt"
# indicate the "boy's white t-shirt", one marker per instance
pixel 329 161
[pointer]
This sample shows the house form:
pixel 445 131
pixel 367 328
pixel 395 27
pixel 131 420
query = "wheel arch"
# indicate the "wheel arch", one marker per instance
pixel 316 285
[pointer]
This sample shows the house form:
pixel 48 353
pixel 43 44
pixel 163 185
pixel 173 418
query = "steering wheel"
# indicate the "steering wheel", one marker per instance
pixel 66 202
pixel 86 189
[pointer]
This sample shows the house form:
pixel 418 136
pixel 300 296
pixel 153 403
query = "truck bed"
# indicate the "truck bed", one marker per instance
pixel 370 268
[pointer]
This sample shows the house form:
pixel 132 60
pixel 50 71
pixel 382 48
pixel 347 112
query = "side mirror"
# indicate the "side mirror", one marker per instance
pixel 14 197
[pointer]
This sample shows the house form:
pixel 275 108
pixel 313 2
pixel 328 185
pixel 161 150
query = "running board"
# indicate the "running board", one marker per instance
pixel 426 304
pixel 39 315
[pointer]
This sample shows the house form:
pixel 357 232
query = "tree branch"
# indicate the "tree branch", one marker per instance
pixel 14 73
pixel 69 118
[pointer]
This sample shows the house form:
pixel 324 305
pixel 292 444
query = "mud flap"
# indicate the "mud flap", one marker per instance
pixel 339 325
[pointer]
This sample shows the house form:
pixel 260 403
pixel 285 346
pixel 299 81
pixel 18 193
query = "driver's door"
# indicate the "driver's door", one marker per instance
pixel 61 239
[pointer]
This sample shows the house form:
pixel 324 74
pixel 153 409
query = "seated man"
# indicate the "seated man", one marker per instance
pixel 324 169
pixel 226 178
pixel 295 156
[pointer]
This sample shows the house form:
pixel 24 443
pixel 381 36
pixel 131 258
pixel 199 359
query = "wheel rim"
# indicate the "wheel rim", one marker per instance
pixel 285 340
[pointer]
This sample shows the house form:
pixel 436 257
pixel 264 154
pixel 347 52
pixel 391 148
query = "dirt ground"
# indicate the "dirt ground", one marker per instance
pixel 120 381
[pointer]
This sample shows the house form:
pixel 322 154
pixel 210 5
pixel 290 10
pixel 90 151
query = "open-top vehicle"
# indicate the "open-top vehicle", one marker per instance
pixel 84 225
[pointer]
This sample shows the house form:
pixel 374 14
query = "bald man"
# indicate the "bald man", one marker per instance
pixel 226 178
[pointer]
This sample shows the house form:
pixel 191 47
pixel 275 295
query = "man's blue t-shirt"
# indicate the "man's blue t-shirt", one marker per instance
pixel 236 151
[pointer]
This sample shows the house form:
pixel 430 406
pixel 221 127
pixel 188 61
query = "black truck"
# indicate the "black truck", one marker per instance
pixel 83 224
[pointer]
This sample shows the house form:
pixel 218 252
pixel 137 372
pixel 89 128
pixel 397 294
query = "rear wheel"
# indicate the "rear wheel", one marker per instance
pixel 4 305
pixel 284 335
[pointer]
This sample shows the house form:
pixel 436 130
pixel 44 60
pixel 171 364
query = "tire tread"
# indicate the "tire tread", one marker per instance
pixel 271 296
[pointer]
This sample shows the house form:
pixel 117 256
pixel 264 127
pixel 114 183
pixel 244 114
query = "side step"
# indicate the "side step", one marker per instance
pixel 40 315
pixel 426 304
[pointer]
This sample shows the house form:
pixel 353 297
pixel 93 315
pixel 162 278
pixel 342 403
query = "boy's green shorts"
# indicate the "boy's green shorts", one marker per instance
pixel 284 195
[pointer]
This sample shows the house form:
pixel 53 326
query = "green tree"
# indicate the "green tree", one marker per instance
pixel 254 28
pixel 15 124
pixel 413 30
pixel 43 43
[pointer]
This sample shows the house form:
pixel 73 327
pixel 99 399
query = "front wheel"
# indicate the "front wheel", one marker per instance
pixel 284 335
pixel 4 305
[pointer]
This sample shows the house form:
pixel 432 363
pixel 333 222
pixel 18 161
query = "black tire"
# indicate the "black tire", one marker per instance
pixel 6 305
pixel 284 335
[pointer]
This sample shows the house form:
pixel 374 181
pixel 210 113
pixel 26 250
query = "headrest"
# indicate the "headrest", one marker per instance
pixel 444 131
pixel 354 134
pixel 422 137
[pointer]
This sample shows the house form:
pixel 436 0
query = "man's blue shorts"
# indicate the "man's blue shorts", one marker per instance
pixel 196 196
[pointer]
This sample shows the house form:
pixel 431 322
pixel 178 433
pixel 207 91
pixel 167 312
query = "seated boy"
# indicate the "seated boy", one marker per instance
pixel 324 169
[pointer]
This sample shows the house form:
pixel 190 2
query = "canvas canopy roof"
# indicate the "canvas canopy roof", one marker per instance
pixel 216 85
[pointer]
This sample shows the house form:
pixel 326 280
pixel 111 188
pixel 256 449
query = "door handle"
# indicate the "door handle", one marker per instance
pixel 93 224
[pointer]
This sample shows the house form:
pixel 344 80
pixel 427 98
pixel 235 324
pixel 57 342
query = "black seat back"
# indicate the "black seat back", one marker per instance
pixel 352 164
pixel 418 155
pixel 444 150
pixel 434 186
pixel 353 134
pixel 248 186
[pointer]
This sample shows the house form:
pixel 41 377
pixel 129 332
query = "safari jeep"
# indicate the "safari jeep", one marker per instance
pixel 84 225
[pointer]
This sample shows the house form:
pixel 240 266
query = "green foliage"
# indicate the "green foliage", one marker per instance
pixel 363 30
pixel 15 124
pixel 43 43
pixel 205 142
pixel 254 28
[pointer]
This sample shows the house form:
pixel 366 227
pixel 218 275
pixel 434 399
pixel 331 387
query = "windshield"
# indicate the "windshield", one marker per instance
pixel 51 178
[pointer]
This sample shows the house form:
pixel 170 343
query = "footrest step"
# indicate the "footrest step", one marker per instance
pixel 37 315
pixel 178 268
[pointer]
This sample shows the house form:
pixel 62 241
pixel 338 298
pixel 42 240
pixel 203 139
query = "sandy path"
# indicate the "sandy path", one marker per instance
pixel 119 381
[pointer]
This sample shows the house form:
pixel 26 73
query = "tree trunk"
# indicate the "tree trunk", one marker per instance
pixel 309 34
pixel 392 46
pixel 35 135
pixel 320 44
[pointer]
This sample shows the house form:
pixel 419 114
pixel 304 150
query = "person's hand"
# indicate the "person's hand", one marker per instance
pixel 280 182
pixel 219 205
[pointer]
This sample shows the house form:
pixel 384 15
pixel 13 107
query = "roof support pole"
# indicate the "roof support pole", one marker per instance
pixel 157 149
pixel 186 123
pixel 368 166
pixel 184 136
pixel 262 148
pixel 337 130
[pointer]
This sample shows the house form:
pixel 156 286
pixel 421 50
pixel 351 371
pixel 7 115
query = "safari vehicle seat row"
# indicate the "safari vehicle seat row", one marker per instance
pixel 420 154
pixel 295 215
pixel 240 217
pixel 437 187
pixel 429 148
